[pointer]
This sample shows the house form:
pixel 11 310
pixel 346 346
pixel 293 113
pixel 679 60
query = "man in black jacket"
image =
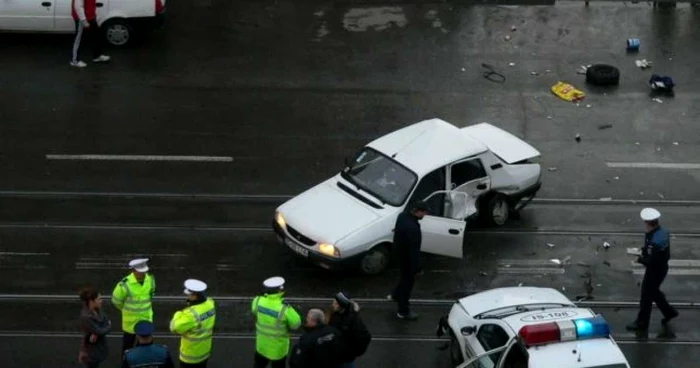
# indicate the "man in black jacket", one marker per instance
pixel 407 242
pixel 346 319
pixel 321 346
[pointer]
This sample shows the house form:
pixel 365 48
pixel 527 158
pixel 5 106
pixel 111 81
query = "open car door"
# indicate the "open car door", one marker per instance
pixel 511 355
pixel 441 235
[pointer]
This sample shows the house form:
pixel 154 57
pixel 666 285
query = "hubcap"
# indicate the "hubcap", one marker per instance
pixel 373 262
pixel 500 212
pixel 118 34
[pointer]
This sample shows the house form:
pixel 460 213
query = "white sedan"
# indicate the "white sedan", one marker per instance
pixel 348 220
pixel 528 327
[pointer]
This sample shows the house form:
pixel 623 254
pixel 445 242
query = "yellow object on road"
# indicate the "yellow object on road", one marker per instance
pixel 567 92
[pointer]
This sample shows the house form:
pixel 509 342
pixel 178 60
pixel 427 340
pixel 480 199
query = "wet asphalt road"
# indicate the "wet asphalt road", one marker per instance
pixel 285 91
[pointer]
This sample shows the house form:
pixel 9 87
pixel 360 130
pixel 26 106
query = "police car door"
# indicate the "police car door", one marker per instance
pixel 511 355
pixel 490 335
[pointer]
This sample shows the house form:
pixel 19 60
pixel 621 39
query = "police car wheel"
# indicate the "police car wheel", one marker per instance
pixel 498 210
pixel 375 261
pixel 455 351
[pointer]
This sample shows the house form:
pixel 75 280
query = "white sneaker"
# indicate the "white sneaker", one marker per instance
pixel 78 64
pixel 101 59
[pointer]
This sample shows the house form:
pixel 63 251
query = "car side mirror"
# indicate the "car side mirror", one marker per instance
pixel 467 330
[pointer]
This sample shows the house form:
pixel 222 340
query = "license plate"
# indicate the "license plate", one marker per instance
pixel 299 249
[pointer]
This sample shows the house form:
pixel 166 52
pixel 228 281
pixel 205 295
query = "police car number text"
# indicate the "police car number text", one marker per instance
pixel 297 248
pixel 548 316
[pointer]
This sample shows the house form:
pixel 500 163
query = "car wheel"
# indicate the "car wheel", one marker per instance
pixel 498 210
pixel 375 261
pixel 118 32
pixel 603 75
pixel 455 351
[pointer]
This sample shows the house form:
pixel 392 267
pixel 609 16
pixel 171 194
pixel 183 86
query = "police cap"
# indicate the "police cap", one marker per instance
pixel 144 328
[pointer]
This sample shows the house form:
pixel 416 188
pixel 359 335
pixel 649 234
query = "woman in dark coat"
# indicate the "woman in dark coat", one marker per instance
pixel 95 326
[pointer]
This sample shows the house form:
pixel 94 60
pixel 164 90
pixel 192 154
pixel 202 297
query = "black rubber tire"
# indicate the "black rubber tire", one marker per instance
pixel 497 202
pixel 376 260
pixel 118 33
pixel 455 352
pixel 603 75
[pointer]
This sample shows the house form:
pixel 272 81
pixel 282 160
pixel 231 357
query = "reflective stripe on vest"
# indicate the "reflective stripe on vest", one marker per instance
pixel 192 340
pixel 276 330
pixel 137 304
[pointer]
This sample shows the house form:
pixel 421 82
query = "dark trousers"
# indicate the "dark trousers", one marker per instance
pixel 262 362
pixel 651 293
pixel 402 292
pixel 194 365
pixel 91 34
pixel 128 341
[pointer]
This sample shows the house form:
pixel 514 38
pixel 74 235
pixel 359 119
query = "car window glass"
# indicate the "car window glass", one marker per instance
pixel 433 182
pixel 467 171
pixel 492 336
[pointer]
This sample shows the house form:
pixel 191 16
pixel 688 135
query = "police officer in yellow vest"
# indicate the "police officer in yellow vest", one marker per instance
pixel 274 320
pixel 195 325
pixel 133 295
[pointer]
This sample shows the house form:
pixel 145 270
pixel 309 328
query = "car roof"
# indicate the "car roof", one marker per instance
pixel 594 353
pixel 498 298
pixel 534 317
pixel 428 145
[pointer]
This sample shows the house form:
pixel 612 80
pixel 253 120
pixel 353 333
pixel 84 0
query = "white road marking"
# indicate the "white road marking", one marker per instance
pixel 525 262
pixel 233 336
pixel 315 300
pixel 26 254
pixel 654 165
pixel 674 272
pixel 91 157
pixel 530 271
pixel 674 263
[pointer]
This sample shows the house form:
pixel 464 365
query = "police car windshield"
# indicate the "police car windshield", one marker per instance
pixel 509 311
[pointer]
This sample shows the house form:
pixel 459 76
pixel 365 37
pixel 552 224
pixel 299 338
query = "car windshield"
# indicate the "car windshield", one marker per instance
pixel 380 176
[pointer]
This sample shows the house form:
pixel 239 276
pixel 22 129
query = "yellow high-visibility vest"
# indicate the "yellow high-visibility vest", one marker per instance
pixel 195 325
pixel 134 300
pixel 273 322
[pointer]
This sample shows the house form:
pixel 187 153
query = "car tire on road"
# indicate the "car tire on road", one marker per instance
pixel 497 210
pixel 375 261
pixel 118 32
pixel 455 352
pixel 603 75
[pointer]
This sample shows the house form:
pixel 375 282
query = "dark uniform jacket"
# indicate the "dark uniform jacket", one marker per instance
pixel 148 356
pixel 407 242
pixel 657 251
pixel 319 347
pixel 356 337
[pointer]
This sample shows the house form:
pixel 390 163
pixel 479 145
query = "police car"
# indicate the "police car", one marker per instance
pixel 348 220
pixel 528 327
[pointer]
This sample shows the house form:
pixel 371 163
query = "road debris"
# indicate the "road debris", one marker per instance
pixel 512 28
pixel 567 92
pixel 567 261
pixel 551 245
pixel 490 73
pixel 604 126
pixel 656 99
pixel 606 245
pixel 555 261
pixel 553 168
pixel 511 64
pixel 643 63
pixel 660 195
pixel 634 251
pixel 637 143
pixel 578 137
pixel 507 37
pixel 675 143
pixel 520 284
pixel 534 73
pixel 482 273
pixel 583 69
pixel 617 178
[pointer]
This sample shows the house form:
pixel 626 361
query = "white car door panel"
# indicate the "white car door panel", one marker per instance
pixel 64 17
pixel 27 15
pixel 442 236
pixel 132 8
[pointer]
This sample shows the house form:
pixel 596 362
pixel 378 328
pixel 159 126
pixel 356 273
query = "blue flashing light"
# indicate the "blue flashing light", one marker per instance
pixel 587 328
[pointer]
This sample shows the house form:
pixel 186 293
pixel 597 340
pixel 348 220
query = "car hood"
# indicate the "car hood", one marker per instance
pixel 326 214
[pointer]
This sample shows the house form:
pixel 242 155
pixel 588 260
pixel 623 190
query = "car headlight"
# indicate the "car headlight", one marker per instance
pixel 329 250
pixel 280 220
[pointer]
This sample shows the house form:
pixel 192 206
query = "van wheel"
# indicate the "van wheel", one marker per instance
pixel 497 210
pixel 455 351
pixel 375 261
pixel 118 32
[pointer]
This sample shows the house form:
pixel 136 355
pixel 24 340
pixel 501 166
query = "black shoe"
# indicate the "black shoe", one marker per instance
pixel 409 316
pixel 634 326
pixel 668 319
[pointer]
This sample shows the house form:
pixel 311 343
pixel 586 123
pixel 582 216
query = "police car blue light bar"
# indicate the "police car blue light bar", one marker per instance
pixel 576 329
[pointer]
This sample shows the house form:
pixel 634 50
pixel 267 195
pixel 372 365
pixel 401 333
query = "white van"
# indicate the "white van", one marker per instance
pixel 120 20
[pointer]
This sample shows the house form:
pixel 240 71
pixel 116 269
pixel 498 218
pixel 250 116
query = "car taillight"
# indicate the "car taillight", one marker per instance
pixel 159 6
